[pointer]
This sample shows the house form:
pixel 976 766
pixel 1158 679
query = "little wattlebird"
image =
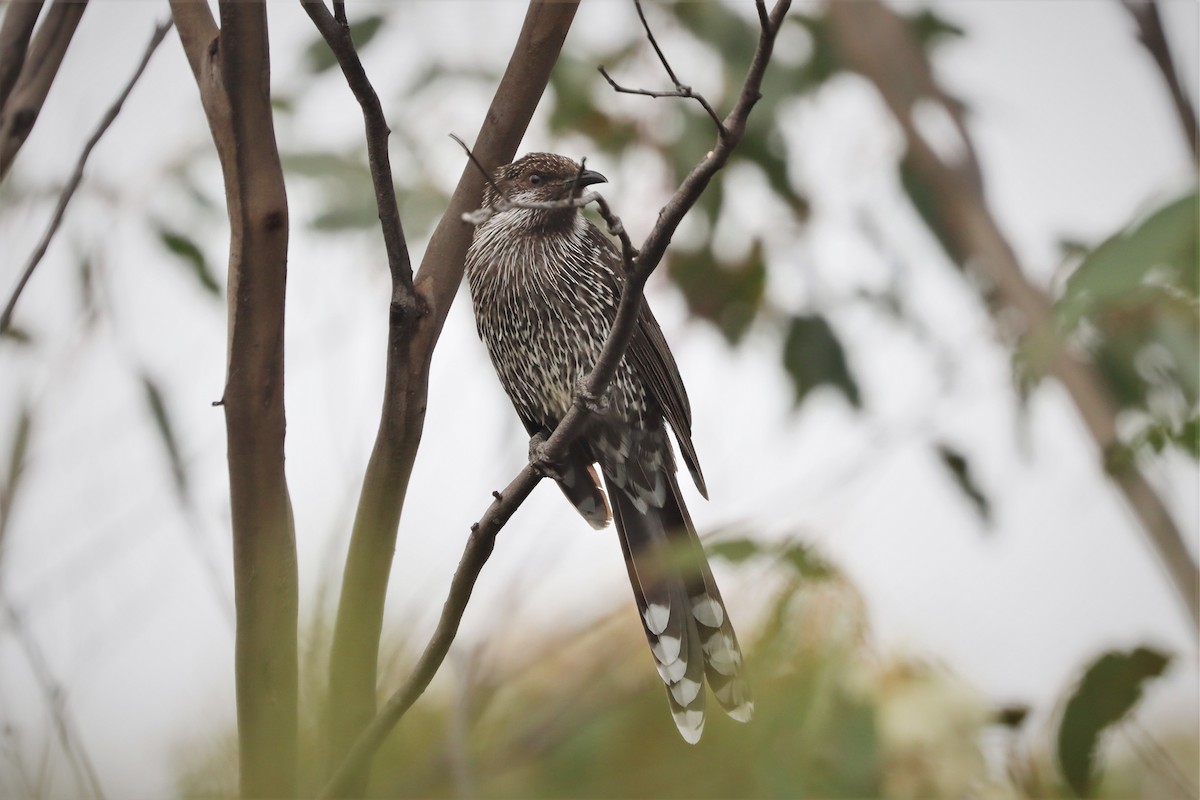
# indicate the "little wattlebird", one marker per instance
pixel 545 283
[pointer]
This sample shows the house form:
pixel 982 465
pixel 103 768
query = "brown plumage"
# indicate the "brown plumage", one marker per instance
pixel 545 283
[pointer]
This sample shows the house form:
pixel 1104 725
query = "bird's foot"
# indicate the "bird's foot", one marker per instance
pixel 595 404
pixel 540 461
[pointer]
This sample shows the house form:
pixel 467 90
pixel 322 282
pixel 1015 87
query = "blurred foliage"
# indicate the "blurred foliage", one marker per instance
pixel 319 57
pixel 1134 303
pixel 582 714
pixel 834 719
pixel 166 433
pixel 190 253
pixel 960 471
pixel 1110 688
pixel 812 355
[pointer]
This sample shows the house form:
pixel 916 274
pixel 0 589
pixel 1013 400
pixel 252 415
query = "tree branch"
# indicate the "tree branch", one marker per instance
pixel 77 175
pixel 875 42
pixel 232 69
pixel 1154 39
pixel 19 20
pixel 680 89
pixel 412 334
pixel 336 33
pixel 29 91
pixel 482 539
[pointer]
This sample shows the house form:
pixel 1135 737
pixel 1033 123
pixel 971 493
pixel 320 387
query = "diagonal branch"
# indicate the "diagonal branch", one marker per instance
pixel 482 539
pixel 19 20
pixel 1154 38
pixel 77 175
pixel 21 108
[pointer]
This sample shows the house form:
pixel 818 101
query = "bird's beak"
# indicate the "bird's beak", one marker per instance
pixel 588 177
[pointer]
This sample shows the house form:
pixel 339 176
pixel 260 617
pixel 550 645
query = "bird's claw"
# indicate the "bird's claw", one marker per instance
pixel 540 461
pixel 595 404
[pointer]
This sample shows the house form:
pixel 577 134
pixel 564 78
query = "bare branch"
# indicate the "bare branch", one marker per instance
pixel 412 335
pixel 876 43
pixel 481 541
pixel 77 175
pixel 19 20
pixel 336 32
pixel 680 89
pixel 1154 39
pixel 487 176
pixel 65 728
pixel 232 70
pixel 629 253
pixel 46 52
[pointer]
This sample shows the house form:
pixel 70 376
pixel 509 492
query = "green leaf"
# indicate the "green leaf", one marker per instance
pixel 1188 437
pixel 190 253
pixel 727 294
pixel 1110 688
pixel 166 432
pixel 931 30
pixel 960 470
pixel 823 63
pixel 1161 251
pixel 813 356
pixel 735 551
pixel 319 57
pixel 806 561
pixel 17 334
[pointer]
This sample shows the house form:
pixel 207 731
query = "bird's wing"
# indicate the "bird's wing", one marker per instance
pixel 651 358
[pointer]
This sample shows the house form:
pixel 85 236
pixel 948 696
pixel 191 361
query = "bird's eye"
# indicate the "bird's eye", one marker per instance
pixel 535 179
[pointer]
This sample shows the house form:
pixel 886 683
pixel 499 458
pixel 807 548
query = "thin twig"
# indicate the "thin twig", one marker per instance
pixel 336 32
pixel 73 183
pixel 1154 39
pixel 487 176
pixel 483 534
pixel 65 728
pixel 680 89
pixel 629 253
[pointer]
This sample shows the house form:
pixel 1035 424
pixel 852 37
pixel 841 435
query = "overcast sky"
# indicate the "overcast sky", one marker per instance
pixel 128 597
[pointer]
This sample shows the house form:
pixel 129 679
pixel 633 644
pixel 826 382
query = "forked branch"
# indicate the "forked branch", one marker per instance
pixel 481 541
pixel 681 90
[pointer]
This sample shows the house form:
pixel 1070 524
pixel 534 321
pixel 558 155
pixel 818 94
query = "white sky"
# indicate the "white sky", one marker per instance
pixel 1076 137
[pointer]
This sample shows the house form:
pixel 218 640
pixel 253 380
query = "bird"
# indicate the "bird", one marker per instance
pixel 545 283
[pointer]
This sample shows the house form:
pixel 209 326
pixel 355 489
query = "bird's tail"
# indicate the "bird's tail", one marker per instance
pixel 682 613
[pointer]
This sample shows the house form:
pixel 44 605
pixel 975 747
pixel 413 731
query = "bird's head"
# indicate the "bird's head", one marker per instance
pixel 541 178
